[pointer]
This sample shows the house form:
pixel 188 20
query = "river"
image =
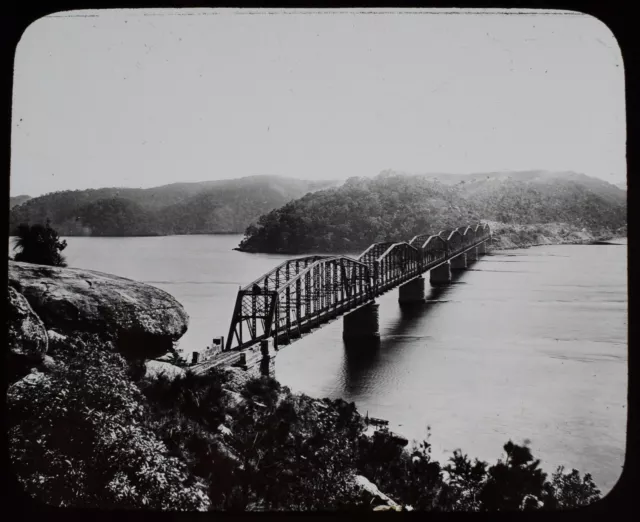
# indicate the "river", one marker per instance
pixel 528 345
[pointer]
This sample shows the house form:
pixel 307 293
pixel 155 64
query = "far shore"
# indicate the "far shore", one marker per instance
pixel 150 235
pixel 599 241
pixel 499 242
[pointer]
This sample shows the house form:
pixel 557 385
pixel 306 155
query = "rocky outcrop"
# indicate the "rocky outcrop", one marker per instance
pixel 27 335
pixel 510 236
pixel 378 500
pixel 156 368
pixel 33 378
pixel 144 321
pixel 48 364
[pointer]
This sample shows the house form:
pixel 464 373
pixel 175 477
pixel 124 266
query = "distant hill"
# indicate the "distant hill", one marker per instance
pixel 18 200
pixel 395 207
pixel 540 177
pixel 209 207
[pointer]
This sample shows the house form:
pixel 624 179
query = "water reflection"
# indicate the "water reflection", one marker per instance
pixel 360 362
pixel 363 362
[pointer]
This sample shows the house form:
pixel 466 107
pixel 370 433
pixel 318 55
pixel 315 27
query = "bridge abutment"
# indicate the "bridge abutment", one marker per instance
pixel 362 324
pixel 441 275
pixel 412 292
pixel 259 360
pixel 459 262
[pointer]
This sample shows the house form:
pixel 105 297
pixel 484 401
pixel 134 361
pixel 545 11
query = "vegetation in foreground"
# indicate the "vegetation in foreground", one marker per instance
pixel 83 433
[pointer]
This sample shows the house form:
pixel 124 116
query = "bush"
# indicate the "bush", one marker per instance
pixel 263 389
pixel 185 413
pixel 409 477
pixel 296 454
pixel 465 482
pixel 515 483
pixel 39 244
pixel 570 491
pixel 77 439
pixel 199 398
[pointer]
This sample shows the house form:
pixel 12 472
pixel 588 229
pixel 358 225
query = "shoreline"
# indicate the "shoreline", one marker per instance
pixel 603 240
pixel 148 235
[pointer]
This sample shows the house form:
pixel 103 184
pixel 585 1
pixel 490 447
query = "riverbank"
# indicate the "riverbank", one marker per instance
pixel 509 236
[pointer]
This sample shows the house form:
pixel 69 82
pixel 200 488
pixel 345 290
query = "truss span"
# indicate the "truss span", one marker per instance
pixel 306 292
pixel 373 253
pixel 399 263
pixel 419 240
pixel 434 250
pixel 455 244
pixel 296 296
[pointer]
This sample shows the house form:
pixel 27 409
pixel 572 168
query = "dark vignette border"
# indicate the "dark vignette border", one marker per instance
pixel 620 500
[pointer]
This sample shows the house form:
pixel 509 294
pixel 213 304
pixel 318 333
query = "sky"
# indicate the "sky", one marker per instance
pixel 141 98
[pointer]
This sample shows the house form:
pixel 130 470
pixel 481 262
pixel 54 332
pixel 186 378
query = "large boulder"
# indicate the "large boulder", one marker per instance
pixel 27 335
pixel 144 321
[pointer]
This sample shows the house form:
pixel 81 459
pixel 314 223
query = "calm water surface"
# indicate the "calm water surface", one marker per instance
pixel 525 345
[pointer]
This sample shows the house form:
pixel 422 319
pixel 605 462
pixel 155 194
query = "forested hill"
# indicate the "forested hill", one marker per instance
pixel 225 206
pixel 396 207
pixel 18 200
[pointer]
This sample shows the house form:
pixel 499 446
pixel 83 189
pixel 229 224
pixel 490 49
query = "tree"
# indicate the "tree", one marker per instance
pixel 39 244
pixel 466 480
pixel 515 483
pixel 570 490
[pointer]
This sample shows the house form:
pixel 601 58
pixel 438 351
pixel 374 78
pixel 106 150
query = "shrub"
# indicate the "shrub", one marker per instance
pixel 76 439
pixel 410 477
pixel 185 413
pixel 510 480
pixel 263 389
pixel 39 244
pixel 465 482
pixel 296 454
pixel 570 491
pixel 199 398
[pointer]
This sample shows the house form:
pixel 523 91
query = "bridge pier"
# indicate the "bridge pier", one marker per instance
pixel 482 249
pixel 441 275
pixel 412 292
pixel 268 361
pixel 362 324
pixel 472 255
pixel 459 262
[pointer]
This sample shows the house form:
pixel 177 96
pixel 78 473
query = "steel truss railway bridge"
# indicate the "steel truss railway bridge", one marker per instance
pixel 305 293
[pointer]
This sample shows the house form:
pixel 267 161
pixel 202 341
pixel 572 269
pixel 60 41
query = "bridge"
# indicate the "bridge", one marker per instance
pixel 306 293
